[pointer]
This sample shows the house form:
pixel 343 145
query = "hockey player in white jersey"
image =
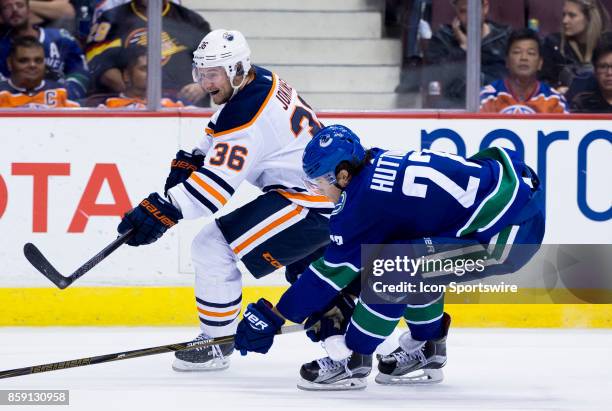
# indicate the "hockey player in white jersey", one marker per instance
pixel 258 135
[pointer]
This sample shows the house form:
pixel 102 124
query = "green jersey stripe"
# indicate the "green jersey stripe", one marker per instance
pixel 373 322
pixel 499 200
pixel 424 314
pixel 339 274
pixel 366 332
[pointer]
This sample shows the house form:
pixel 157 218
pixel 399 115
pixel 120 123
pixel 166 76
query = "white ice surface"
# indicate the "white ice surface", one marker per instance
pixel 487 369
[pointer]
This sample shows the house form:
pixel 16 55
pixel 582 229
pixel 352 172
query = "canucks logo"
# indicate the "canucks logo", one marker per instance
pixel 340 204
pixel 325 141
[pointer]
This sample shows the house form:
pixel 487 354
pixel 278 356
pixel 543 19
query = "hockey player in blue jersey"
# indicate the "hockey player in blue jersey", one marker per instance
pixel 491 200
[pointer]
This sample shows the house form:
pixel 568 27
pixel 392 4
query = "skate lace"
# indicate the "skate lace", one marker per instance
pixel 403 357
pixel 199 338
pixel 216 350
pixel 327 365
pixel 217 353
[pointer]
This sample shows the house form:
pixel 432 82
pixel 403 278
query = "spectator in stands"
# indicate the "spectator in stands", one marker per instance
pixel 101 6
pixel 446 55
pixel 125 26
pixel 64 58
pixel 26 86
pixel 135 79
pixel 51 12
pixel 520 91
pixel 568 54
pixel 600 99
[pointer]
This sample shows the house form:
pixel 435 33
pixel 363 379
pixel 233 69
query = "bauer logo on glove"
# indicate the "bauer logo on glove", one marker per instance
pixel 150 220
pixel 256 331
pixel 155 212
pixel 255 321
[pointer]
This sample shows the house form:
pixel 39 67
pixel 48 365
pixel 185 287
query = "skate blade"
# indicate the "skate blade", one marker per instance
pixel 344 385
pixel 419 377
pixel 218 364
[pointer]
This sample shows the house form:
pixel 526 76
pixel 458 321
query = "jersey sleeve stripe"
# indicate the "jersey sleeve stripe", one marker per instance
pixel 493 207
pixel 221 182
pixel 340 275
pixel 101 48
pixel 264 104
pixel 209 189
pixel 334 265
pixel 196 194
pixel 324 278
pixel 305 197
pixel 278 187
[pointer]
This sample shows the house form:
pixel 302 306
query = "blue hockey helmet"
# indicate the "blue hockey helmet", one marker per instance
pixel 331 146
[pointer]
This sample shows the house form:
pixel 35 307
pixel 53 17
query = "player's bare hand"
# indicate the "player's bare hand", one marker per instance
pixel 191 93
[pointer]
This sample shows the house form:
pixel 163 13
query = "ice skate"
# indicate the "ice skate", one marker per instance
pixel 414 362
pixel 212 358
pixel 326 374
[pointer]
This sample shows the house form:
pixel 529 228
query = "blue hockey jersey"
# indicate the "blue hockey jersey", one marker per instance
pixel 64 59
pixel 402 196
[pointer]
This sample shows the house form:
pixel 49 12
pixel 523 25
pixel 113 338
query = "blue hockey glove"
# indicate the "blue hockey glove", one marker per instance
pixel 181 168
pixel 150 219
pixel 257 329
pixel 332 320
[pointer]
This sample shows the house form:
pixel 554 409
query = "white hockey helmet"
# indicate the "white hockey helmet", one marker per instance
pixel 223 48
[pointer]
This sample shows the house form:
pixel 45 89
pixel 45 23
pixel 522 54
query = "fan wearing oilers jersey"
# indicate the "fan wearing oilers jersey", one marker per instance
pixel 489 201
pixel 258 134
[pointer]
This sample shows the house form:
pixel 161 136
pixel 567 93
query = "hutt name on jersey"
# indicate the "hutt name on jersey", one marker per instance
pixel 410 195
pixel 258 136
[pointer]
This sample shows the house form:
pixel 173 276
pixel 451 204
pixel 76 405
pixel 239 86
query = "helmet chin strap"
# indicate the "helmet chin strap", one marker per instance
pixel 238 87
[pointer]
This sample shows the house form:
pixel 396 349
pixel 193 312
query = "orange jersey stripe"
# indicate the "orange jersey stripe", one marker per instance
pixel 268 228
pixel 264 104
pixel 216 314
pixel 210 190
pixel 305 197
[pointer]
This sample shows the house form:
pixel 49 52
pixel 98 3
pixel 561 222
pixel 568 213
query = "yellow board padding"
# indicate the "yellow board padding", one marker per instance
pixel 175 306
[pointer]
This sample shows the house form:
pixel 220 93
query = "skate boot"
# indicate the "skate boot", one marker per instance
pixel 212 358
pixel 326 374
pixel 414 362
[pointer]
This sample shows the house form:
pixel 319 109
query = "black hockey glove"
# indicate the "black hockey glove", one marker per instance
pixel 332 320
pixel 181 168
pixel 150 219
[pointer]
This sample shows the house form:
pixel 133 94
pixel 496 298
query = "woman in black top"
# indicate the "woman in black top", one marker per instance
pixel 568 54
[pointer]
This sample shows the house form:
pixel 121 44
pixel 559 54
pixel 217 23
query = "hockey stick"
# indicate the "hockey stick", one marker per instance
pixel 126 355
pixel 38 260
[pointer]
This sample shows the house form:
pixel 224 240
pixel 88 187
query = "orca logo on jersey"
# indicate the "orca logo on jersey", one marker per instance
pixel 340 204
pixel 337 239
pixel 255 321
pixel 325 141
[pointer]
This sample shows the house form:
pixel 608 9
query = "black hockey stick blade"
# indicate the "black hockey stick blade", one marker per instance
pixel 126 355
pixel 40 262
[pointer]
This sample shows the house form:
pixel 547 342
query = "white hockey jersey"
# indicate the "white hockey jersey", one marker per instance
pixel 258 136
